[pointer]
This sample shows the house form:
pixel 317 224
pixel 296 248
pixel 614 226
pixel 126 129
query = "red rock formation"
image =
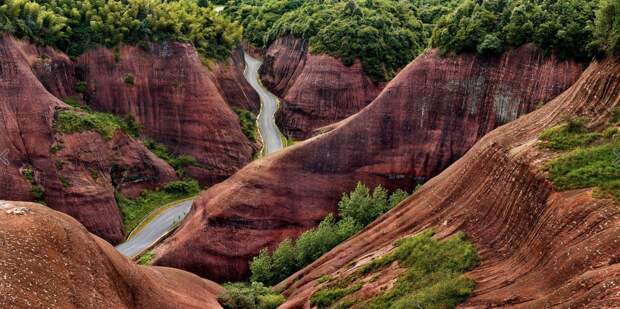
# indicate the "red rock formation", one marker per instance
pixel 175 100
pixel 316 90
pixel 539 248
pixel 49 261
pixel 80 175
pixel 228 76
pixel 423 121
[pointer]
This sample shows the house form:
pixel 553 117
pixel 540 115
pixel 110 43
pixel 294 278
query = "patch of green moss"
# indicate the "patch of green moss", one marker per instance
pixel 569 135
pixel 433 277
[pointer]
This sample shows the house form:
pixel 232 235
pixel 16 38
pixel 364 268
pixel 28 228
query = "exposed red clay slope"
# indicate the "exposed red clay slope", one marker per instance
pixel 539 248
pixel 174 98
pixel 48 260
pixel 316 90
pixel 85 161
pixel 423 121
pixel 228 76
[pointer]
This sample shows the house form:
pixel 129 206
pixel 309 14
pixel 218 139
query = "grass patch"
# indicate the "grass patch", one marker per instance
pixel 129 79
pixel 433 277
pixel 37 191
pixel 146 258
pixel 178 162
pixel 247 120
pixel 249 296
pixel 76 121
pixel 136 210
pixel 588 159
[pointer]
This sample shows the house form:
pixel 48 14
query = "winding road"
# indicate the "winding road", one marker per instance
pixel 269 105
pixel 160 226
pixel 153 231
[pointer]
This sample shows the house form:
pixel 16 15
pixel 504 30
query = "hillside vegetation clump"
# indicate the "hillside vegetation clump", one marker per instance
pixel 565 27
pixel 356 210
pixel 607 28
pixel 384 34
pixel 253 295
pixel 587 159
pixel 74 26
pixel 432 276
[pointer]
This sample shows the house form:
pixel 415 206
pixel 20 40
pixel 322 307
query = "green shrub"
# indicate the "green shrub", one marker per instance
pixel 357 209
pixel 183 187
pixel 81 87
pixel 129 79
pixel 249 296
pixel 38 193
pixel 65 182
pixel 54 148
pixel 28 173
pixel 607 28
pixel 146 258
pixel 569 135
pixel 433 276
pixel 247 120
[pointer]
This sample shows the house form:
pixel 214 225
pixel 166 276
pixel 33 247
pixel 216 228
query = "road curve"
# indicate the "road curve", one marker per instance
pixel 154 230
pixel 269 105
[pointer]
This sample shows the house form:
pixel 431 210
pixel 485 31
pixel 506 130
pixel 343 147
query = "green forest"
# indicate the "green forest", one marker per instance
pixel 74 26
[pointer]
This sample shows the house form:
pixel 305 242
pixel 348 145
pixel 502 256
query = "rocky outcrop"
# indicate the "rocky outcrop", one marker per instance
pixel 172 95
pixel 76 173
pixel 49 261
pixel 228 76
pixel 540 248
pixel 424 120
pixel 316 90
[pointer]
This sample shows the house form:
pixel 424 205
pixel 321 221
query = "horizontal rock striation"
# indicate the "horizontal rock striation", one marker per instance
pixel 316 90
pixel 49 261
pixel 77 173
pixel 173 96
pixel 423 121
pixel 540 248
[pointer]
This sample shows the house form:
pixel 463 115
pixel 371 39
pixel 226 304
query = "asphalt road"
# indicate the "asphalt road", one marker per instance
pixel 154 230
pixel 269 105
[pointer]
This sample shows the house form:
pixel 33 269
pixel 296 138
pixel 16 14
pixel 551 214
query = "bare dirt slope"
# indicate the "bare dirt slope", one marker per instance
pixel 48 260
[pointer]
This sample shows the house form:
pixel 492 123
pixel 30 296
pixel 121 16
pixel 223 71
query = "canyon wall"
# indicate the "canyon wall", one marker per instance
pixel 315 90
pixel 539 248
pixel 74 173
pixel 49 261
pixel 175 99
pixel 424 120
pixel 228 76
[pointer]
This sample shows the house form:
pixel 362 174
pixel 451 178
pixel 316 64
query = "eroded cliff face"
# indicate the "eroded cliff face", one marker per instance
pixel 76 173
pixel 316 90
pixel 539 248
pixel 237 92
pixel 49 260
pixel 424 120
pixel 174 98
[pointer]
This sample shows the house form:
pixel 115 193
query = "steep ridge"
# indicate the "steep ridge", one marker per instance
pixel 539 248
pixel 316 90
pixel 76 177
pixel 174 98
pixel 424 120
pixel 49 260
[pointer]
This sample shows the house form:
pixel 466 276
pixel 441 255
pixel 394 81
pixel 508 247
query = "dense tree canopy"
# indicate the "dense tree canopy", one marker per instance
pixel 384 34
pixel 607 28
pixel 76 25
pixel 491 26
